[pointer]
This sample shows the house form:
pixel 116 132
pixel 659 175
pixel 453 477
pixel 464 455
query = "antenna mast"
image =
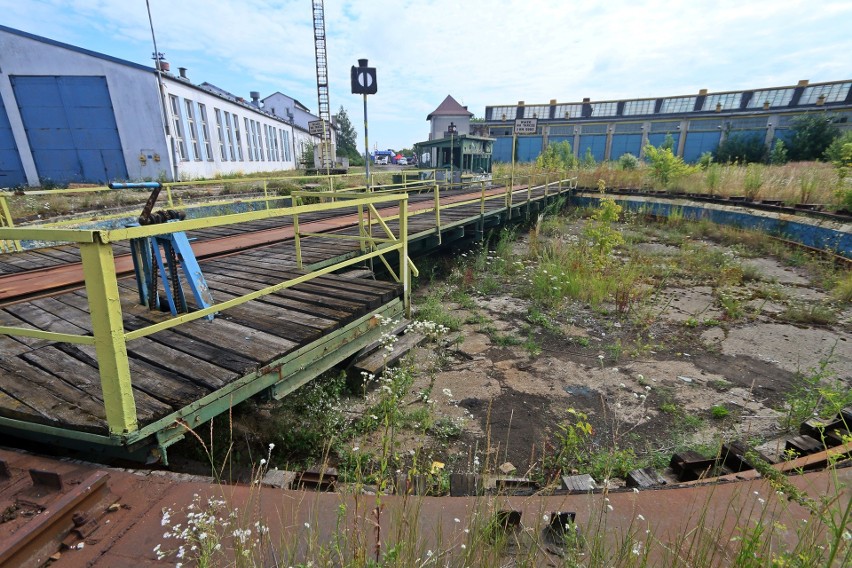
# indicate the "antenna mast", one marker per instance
pixel 327 149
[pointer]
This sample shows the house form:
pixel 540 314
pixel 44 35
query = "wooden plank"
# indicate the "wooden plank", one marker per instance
pixel 258 345
pixel 11 320
pixel 293 293
pixel 274 322
pixel 198 371
pixel 372 299
pixel 86 378
pixel 301 312
pixel 15 408
pixel 645 478
pixel 52 396
pixel 219 355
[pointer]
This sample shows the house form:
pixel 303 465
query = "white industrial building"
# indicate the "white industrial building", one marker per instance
pixel 70 115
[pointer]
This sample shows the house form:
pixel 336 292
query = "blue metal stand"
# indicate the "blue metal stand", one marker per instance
pixel 157 259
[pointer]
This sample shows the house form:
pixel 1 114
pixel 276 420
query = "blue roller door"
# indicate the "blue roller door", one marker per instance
pixel 625 144
pixel 597 142
pixel 699 142
pixel 529 148
pixel 11 169
pixel 71 128
pixel 502 149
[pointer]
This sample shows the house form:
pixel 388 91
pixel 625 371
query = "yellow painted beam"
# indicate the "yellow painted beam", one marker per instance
pixel 48 335
pixel 108 328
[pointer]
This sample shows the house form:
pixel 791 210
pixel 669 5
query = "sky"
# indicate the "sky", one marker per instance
pixel 482 53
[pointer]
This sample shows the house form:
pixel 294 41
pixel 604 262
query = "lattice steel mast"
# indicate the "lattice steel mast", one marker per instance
pixel 326 153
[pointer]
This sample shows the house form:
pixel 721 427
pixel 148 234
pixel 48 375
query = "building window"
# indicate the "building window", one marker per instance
pixel 569 111
pixel 285 143
pixel 729 101
pixel 238 141
pixel 832 93
pixel 192 129
pixel 249 141
pixel 276 152
pixel 205 131
pixel 221 134
pixel 775 98
pixel 268 145
pixel 258 141
pixel 678 104
pixel 230 135
pixel 504 113
pixel 538 111
pixel 177 129
pixel 605 109
pixel 644 106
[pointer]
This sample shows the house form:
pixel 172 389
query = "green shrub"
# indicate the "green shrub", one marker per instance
pixel 628 162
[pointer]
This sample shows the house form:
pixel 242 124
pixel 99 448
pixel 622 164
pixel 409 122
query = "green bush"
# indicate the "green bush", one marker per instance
pixel 628 162
pixel 741 148
pixel 813 134
pixel 665 167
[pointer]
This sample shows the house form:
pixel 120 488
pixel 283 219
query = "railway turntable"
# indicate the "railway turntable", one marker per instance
pixel 93 369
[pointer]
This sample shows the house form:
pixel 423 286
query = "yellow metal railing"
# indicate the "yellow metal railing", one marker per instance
pixel 441 190
pixel 108 333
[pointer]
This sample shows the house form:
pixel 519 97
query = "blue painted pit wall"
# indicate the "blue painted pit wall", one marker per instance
pixel 597 142
pixel 11 169
pixel 529 147
pixel 71 128
pixel 812 235
pixel 699 142
pixel 502 151
pixel 625 144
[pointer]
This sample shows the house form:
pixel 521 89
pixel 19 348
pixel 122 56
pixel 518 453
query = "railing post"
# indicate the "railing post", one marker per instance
pixel 265 194
pixel 6 221
pixel 108 329
pixel 297 240
pixel 404 273
pixel 361 232
pixel 438 211
pixel 169 195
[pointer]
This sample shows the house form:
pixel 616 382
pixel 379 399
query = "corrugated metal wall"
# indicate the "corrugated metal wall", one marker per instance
pixel 699 142
pixel 71 128
pixel 529 147
pixel 625 144
pixel 597 143
pixel 502 149
pixel 11 169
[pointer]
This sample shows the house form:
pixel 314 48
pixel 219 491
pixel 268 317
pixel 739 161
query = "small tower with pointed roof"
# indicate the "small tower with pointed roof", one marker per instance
pixel 449 111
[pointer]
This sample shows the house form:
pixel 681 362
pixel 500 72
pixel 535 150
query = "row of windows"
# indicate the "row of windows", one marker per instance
pixel 831 93
pixel 263 141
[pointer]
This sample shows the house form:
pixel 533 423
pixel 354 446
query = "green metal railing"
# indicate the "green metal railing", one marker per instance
pixel 109 336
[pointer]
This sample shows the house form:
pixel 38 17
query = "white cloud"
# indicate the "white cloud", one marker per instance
pixel 481 52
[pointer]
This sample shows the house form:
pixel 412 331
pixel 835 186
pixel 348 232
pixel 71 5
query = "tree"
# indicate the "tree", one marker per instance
pixel 742 148
pixel 835 152
pixel 778 156
pixel 665 166
pixel 556 157
pixel 812 134
pixel 347 138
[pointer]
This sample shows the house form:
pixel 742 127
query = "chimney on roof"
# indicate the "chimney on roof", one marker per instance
pixel 182 71
pixel 255 98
